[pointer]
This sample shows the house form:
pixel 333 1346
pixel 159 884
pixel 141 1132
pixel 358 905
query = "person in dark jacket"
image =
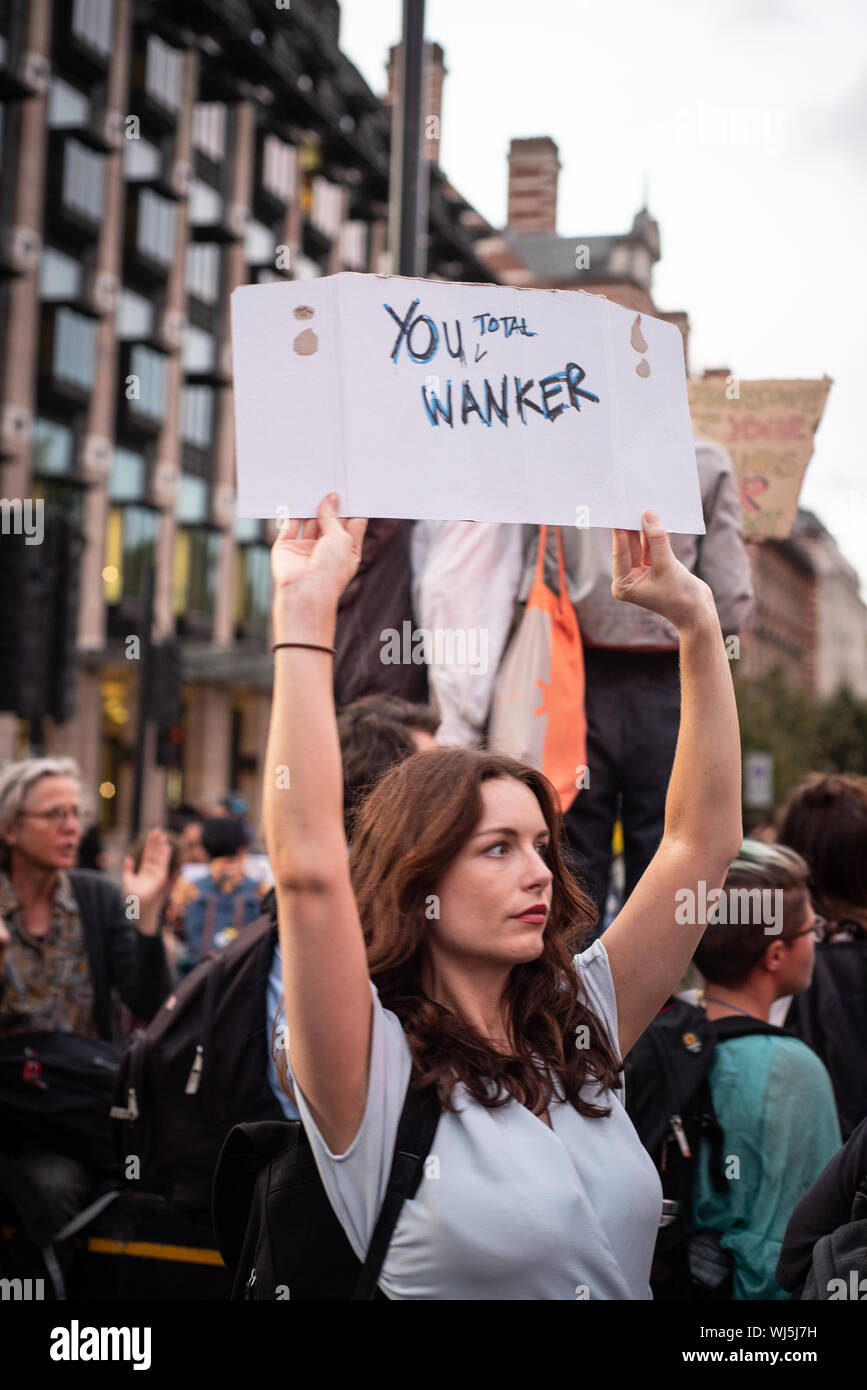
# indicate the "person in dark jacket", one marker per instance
pixel 826 1206
pixel 825 820
pixel 68 937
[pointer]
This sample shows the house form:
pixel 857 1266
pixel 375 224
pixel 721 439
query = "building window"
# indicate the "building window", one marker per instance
pixel 73 348
pixel 68 108
pixel 252 589
pixel 151 372
pixel 199 352
pixel 203 271
pixel 135 316
pixel 260 244
pixel 83 180
pixel 130 549
pixel 60 276
pixel 304 268
pixel 65 495
pixel 353 245
pixel 197 410
pixel 205 205
pixel 279 164
pixel 209 129
pixel 53 447
pixel 128 475
pixel 327 210
pixel 156 227
pixel 164 72
pixel 92 24
pixel 191 506
pixel 141 161
pixel 197 555
pixel 247 529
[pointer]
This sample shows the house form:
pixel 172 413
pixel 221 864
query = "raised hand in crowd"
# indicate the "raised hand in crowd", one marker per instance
pixel 150 883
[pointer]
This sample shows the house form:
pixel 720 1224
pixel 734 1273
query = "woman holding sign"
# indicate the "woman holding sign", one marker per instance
pixel 443 950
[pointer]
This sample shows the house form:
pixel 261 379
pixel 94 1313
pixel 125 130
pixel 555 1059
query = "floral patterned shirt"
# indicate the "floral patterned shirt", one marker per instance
pixel 47 985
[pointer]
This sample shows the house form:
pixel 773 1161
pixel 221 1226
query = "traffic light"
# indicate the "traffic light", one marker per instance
pixel 170 743
pixel 67 544
pixel 163 700
pixel 39 618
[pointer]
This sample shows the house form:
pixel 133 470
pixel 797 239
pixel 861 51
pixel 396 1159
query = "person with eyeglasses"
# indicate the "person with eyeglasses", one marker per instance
pixel 70 937
pixel 772 1095
pixel 825 820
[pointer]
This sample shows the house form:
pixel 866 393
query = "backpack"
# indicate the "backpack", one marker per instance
pixel 840 1258
pixel 276 1229
pixel 215 918
pixel 56 1091
pixel 197 1069
pixel 669 1101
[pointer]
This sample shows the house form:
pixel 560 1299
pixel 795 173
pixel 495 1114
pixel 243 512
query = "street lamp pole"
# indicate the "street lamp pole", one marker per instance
pixel 407 200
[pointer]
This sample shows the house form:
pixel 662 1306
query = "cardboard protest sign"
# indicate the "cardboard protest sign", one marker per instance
pixel 767 428
pixel 442 401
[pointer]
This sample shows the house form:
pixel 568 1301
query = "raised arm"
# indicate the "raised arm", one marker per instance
pixel 325 978
pixel 648 948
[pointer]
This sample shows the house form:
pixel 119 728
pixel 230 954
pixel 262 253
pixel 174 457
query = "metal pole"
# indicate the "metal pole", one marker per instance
pixel 143 683
pixel 407 168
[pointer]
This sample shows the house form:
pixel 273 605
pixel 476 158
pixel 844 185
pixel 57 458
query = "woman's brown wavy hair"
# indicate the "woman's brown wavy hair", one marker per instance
pixel 408 831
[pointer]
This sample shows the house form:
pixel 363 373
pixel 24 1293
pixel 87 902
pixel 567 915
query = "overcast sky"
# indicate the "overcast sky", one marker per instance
pixel 747 121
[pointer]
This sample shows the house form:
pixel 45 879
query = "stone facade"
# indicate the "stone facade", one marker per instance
pixel 153 158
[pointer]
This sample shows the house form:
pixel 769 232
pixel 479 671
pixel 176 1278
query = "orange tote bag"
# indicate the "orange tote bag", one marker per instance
pixel 537 714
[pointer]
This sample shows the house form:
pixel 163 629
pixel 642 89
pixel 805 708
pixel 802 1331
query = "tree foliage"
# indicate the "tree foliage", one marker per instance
pixel 801 733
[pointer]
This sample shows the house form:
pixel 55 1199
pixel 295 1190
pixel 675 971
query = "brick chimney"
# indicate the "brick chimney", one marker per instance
pixel 533 169
pixel 432 102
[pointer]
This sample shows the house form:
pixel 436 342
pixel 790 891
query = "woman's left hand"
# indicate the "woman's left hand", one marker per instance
pixel 151 882
pixel 647 572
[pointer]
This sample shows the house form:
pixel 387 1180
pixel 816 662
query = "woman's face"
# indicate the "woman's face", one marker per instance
pixel 41 835
pixel 485 895
pixel 800 956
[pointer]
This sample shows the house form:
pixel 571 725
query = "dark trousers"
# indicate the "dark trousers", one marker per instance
pixel 632 703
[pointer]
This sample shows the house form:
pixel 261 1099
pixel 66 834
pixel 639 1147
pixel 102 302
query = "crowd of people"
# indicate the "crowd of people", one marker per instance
pixel 432 900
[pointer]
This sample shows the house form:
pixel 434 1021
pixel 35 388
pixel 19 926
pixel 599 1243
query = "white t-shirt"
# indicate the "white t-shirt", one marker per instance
pixel 510 1209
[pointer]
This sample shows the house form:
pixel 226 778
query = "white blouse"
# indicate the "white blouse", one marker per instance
pixel 508 1208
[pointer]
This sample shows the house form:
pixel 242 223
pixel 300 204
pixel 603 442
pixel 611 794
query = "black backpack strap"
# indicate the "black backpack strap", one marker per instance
pixel 739 1026
pixel 418 1123
pixel 246 1150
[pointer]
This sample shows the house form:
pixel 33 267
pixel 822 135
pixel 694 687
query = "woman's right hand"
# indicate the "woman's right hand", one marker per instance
pixel 324 561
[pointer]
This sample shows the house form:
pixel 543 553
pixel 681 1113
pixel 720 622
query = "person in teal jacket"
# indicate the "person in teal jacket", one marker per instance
pixel 772 1095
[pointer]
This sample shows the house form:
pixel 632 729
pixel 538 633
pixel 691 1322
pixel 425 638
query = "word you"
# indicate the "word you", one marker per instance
pixel 738 906
pixel 450 646
pixel 421 339
pixel 75 1343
